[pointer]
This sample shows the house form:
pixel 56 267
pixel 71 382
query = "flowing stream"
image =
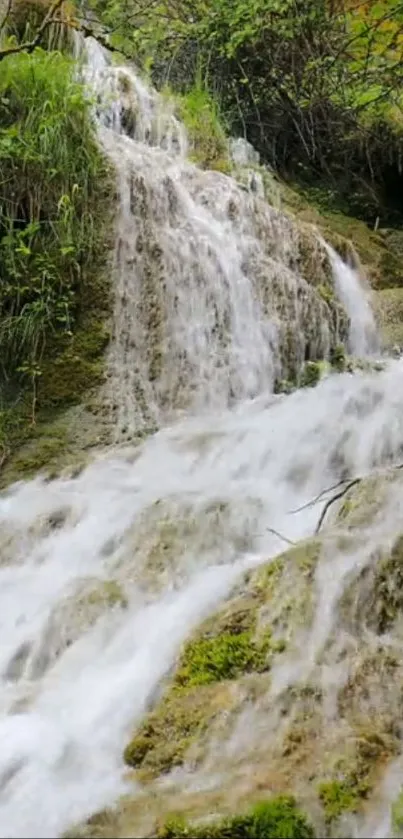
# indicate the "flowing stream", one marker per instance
pixel 91 619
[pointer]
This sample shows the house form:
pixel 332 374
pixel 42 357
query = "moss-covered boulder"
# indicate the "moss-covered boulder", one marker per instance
pixel 388 307
pixel 278 818
pixel 274 695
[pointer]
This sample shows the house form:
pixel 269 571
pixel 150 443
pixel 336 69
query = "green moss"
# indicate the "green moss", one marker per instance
pixel 268 576
pixel 227 647
pixel 42 454
pixel 224 656
pixel 397 815
pixel 337 797
pixel 363 501
pixel 168 732
pixel 310 375
pixel 55 298
pixel 278 818
pixel 284 386
pixel 359 770
pixel 387 600
pixel 388 305
pixel 304 555
pixel 209 145
pixel 326 293
pixel 378 254
pixel 338 358
pixel 390 269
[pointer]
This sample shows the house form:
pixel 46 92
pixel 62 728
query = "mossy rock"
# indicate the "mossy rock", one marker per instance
pixel 388 307
pixel 397 816
pixel 378 251
pixel 167 733
pixel 237 641
pixel 224 656
pixel 387 594
pixel 278 818
pixel 73 371
pixel 310 375
pixel 61 440
pixel 375 599
pixel 361 503
pixel 337 797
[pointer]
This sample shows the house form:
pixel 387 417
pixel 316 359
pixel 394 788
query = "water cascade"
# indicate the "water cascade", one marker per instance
pixel 104 574
pixel 363 337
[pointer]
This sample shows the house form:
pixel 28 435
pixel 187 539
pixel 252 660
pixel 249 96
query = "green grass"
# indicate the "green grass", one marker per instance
pixel 55 185
pixel 201 116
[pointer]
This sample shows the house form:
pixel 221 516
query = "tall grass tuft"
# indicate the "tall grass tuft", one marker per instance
pixel 53 193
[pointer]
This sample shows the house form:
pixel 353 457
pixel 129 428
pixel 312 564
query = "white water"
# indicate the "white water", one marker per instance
pixel 363 337
pixel 212 303
pixel 75 682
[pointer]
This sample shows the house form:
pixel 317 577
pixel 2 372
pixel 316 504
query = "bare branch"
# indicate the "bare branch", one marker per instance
pixel 320 496
pixel 29 46
pixel 279 535
pixel 6 15
pixel 334 498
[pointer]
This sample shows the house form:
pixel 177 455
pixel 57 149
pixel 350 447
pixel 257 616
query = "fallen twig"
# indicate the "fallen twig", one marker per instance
pixel 320 496
pixel 279 535
pixel 334 498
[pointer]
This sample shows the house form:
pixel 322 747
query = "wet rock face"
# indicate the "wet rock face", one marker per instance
pixel 218 294
pixel 246 711
pixel 378 599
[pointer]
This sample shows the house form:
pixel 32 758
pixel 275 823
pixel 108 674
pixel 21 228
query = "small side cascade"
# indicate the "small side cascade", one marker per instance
pixel 363 339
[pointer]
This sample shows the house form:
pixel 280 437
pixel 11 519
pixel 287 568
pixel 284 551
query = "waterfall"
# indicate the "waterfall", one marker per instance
pixel 103 575
pixel 216 291
pixel 363 338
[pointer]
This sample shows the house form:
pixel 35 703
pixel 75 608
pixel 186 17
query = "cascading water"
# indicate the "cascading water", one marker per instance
pixel 363 337
pixel 213 299
pixel 91 619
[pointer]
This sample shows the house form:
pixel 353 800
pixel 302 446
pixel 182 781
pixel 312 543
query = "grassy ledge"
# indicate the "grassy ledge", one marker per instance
pixel 55 223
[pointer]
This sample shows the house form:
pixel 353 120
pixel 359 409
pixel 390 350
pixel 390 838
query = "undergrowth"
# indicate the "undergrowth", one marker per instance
pixel 54 189
pixel 201 115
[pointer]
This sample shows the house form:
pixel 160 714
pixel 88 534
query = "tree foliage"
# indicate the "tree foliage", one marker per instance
pixel 315 85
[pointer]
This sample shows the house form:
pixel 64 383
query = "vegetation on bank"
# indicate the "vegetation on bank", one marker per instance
pixel 54 236
pixel 315 86
pixel 208 140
